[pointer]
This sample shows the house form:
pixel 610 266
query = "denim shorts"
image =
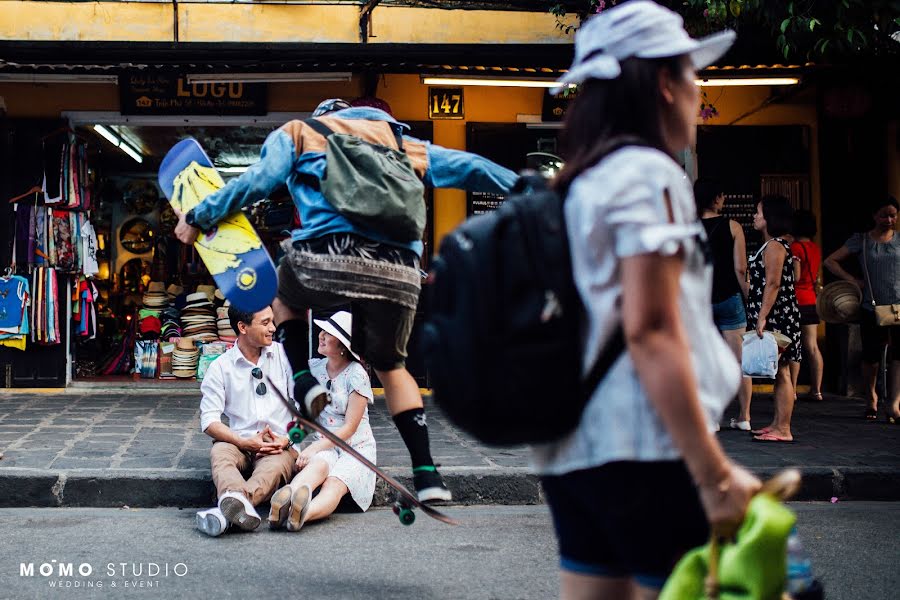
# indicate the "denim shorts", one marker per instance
pixel 730 314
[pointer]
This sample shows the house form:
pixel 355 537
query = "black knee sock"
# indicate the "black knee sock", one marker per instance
pixel 414 431
pixel 294 336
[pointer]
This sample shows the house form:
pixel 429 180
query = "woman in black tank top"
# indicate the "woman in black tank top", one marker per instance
pixel 730 287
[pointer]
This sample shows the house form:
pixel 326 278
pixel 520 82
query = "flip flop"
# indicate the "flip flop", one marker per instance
pixel 763 431
pixel 871 414
pixel 771 437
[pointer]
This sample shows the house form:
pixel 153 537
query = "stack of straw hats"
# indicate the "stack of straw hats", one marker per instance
pixel 198 318
pixel 839 302
pixel 226 333
pixel 156 298
pixel 209 290
pixel 185 358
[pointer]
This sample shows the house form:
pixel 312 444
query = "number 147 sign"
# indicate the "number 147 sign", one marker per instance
pixel 445 103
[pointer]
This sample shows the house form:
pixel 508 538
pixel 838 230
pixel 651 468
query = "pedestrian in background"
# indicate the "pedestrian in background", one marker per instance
pixel 640 479
pixel 772 306
pixel 807 276
pixel 730 286
pixel 878 253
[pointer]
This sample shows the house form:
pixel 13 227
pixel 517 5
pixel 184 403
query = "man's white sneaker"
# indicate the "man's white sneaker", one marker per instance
pixel 212 522
pixel 238 511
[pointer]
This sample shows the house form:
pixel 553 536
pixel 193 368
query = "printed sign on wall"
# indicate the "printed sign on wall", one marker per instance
pixel 165 94
pixel 445 103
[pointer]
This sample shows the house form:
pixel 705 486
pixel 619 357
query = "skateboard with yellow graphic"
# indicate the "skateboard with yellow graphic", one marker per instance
pixel 232 250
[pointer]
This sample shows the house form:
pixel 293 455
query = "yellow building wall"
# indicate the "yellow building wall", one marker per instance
pixel 269 23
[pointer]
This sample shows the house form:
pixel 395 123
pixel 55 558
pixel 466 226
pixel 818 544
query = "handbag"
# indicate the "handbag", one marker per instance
pixel 886 315
pixel 751 567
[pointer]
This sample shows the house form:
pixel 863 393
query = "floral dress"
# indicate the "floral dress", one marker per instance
pixel 785 314
pixel 358 479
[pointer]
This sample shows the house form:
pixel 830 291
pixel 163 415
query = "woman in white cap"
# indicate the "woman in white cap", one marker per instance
pixel 347 416
pixel 641 479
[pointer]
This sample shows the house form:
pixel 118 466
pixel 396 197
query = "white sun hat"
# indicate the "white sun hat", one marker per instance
pixel 340 325
pixel 639 28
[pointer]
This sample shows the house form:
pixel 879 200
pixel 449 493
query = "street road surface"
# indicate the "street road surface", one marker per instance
pixel 500 552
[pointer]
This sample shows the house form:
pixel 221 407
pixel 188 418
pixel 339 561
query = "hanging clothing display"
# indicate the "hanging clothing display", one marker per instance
pixel 57 238
pixel 14 300
pixel 45 316
pixel 84 308
pixel 65 182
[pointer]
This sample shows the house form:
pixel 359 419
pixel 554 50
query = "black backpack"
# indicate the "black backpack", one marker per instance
pixel 503 333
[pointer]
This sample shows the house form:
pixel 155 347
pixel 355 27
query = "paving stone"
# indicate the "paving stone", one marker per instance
pixel 155 462
pixel 81 463
pixel 29 459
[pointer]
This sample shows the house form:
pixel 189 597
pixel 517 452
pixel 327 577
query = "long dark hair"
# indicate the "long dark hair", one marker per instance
pixel 610 113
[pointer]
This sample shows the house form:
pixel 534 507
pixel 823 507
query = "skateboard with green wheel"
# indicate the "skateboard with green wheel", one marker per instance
pixel 406 502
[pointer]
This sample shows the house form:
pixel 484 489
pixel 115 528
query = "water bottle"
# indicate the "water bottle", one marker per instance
pixel 800 584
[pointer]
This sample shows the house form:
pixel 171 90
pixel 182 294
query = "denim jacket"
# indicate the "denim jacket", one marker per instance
pixel 295 152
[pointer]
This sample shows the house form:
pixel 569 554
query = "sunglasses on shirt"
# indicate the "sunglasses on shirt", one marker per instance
pixel 261 386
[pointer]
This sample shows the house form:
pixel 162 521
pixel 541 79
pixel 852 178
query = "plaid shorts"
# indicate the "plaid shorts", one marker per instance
pixel 378 282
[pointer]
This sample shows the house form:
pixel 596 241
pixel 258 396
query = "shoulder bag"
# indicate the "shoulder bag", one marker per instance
pixel 886 315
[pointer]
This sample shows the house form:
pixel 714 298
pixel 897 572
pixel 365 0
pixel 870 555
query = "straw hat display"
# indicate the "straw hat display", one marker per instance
pixel 156 297
pixel 185 358
pixel 208 290
pixel 198 319
pixel 839 302
pixel 223 325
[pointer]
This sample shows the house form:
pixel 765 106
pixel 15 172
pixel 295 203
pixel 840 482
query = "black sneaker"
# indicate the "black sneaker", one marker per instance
pixel 311 396
pixel 430 485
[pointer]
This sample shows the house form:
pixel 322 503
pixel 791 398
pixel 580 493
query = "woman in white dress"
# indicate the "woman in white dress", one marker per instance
pixel 347 416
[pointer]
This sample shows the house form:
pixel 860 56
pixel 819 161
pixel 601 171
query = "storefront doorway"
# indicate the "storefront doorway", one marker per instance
pixel 125 319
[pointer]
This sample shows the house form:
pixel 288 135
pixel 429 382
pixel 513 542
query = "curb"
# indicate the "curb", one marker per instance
pixel 114 489
pixel 148 489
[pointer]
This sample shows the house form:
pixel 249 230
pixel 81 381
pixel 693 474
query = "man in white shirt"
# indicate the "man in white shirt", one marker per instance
pixel 255 440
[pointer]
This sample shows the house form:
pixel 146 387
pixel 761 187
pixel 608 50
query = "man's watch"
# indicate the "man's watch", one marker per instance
pixel 190 220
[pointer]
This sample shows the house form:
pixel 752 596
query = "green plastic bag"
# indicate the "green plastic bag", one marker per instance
pixel 750 568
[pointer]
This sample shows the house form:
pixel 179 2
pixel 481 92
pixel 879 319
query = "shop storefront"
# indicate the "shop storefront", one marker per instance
pixel 99 144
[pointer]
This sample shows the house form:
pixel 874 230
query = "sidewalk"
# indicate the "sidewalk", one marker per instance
pixel 88 448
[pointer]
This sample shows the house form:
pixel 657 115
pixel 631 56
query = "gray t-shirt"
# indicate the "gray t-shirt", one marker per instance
pixel 883 264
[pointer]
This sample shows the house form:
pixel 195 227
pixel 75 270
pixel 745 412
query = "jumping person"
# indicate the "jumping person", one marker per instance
pixel 331 261
pixel 642 477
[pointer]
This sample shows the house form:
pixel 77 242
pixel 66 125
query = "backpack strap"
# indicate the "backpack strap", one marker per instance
pixel 319 127
pixel 325 131
pixel 614 348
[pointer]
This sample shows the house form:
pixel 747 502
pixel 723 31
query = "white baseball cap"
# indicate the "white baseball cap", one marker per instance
pixel 639 28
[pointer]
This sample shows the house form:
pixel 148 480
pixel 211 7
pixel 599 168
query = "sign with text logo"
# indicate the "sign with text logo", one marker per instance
pixel 445 103
pixel 165 94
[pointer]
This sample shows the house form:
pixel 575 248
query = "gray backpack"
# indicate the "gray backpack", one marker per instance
pixel 373 186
